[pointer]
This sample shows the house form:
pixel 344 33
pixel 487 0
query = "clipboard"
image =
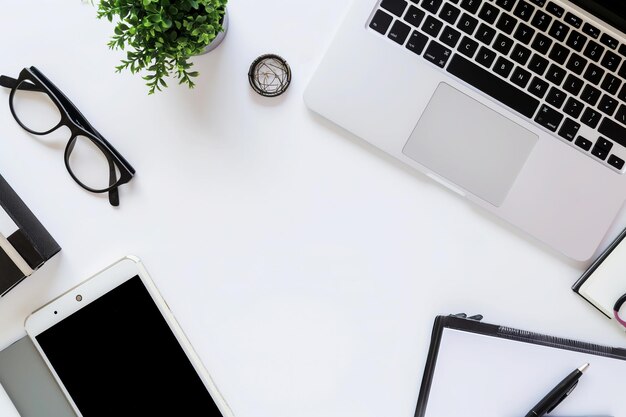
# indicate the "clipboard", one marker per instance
pixel 476 369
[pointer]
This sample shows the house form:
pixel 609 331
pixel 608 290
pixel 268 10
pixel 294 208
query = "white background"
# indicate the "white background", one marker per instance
pixel 305 266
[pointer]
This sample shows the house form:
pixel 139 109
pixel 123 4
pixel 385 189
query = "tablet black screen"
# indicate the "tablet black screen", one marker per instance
pixel 118 357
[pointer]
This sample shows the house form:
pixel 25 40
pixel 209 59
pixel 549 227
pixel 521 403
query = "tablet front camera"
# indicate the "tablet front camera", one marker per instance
pixel 79 297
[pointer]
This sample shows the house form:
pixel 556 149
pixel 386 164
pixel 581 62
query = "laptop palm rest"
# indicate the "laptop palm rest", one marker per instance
pixel 470 145
pixel 29 384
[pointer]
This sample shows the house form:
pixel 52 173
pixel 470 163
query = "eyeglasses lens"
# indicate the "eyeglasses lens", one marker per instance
pixel 90 165
pixel 35 110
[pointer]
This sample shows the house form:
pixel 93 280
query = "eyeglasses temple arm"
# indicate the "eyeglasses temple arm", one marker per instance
pixel 8 82
pixel 114 194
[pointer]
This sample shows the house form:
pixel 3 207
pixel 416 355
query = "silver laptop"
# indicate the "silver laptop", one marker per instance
pixel 518 105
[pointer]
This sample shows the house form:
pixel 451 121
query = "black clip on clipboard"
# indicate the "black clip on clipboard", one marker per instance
pixel 474 325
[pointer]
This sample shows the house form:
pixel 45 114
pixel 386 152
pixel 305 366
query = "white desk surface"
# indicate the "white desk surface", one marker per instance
pixel 305 266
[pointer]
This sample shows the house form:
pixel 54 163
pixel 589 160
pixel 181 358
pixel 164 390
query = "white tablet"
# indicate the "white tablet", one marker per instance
pixel 115 349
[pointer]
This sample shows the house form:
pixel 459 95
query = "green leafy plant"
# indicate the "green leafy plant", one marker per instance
pixel 161 35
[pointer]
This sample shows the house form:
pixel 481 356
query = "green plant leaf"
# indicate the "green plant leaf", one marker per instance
pixel 161 35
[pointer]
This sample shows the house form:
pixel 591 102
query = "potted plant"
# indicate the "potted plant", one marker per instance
pixel 162 35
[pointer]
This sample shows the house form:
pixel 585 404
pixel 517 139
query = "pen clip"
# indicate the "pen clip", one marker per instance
pixel 562 398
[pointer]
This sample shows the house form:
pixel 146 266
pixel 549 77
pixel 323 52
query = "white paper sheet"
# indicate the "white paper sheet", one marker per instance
pixel 483 376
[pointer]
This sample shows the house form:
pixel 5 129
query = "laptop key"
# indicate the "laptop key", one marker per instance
pixel 622 49
pixel 590 95
pixel 555 9
pixel 506 4
pixel 506 23
pixel 622 70
pixel 520 77
pixel 594 74
pixel 611 84
pixel 431 5
pixel 609 41
pixel 591 118
pixel 576 41
pixel 414 16
pixel 594 51
pixel 583 143
pixel 556 97
pixel 524 10
pixel 399 32
pixel 416 43
pixel 591 30
pixel 573 20
pixel 608 105
pixel 524 33
pixel 573 84
pixel 488 13
pixel 541 20
pixel 471 5
pixel 467 23
pixel 449 13
pixel 450 36
pixel 613 131
pixel 576 64
pixel 381 22
pixel 396 7
pixel 604 143
pixel 503 44
pixel 616 162
pixel 493 86
pixel 622 93
pixel 602 148
pixel 432 26
pixel 621 115
pixel 559 53
pixel 556 74
pixel 611 61
pixel 549 118
pixel 485 57
pixel 468 47
pixel 437 54
pixel 503 67
pixel 520 54
pixel 538 87
pixel 538 64
pixel 573 107
pixel 541 44
pixel 485 34
pixel 559 31
pixel 569 130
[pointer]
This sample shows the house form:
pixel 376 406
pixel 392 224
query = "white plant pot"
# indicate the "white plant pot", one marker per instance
pixel 219 38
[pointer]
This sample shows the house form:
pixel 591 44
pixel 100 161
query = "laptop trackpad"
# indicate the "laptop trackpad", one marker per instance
pixel 470 145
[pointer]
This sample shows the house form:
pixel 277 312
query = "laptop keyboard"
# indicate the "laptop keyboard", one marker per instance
pixel 546 63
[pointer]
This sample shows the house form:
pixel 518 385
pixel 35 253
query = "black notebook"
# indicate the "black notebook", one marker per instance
pixel 24 243
pixel 476 369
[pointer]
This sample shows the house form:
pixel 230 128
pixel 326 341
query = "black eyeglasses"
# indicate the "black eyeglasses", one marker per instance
pixel 41 108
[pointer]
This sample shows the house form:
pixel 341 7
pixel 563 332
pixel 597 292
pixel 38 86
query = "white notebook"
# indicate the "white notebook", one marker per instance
pixel 605 280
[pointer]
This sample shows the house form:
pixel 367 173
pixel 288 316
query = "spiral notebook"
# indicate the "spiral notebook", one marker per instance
pixel 476 369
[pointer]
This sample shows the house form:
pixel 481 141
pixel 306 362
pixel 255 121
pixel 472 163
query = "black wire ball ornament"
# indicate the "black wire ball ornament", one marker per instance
pixel 269 75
